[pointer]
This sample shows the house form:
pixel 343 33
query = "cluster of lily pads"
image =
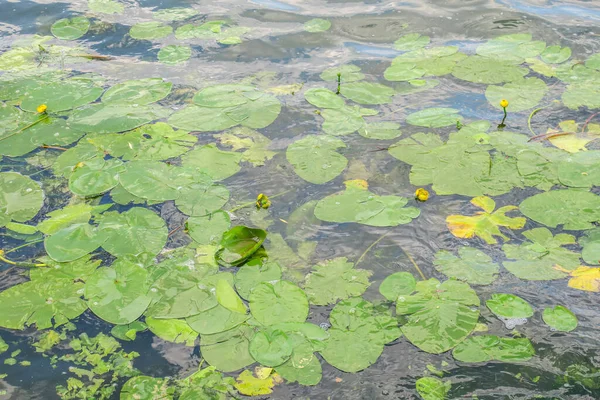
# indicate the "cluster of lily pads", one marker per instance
pixel 121 152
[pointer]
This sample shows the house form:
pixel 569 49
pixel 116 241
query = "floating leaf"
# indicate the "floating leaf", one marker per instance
pixel 208 229
pixel 560 318
pixel 487 70
pixel 543 258
pixel 174 14
pixel 521 94
pixel 323 98
pixel 118 294
pixel 273 303
pixel 435 61
pixel 172 330
pixel 106 6
pixel 150 30
pixel 367 93
pixel 556 54
pixel 61 96
pixel 249 385
pixel 95 178
pixel 73 242
pixel 484 224
pixel 439 315
pixel 174 54
pixel 585 278
pixel 20 198
pixel 345 120
pixel 472 266
pixel 430 388
pixel 238 244
pixel 114 117
pixel 493 348
pixel 136 231
pixel 358 333
pixel 146 387
pixel 215 320
pixel 335 280
pixel 228 351
pixel 70 28
pixel 254 144
pixel 128 332
pixel 253 274
pixel 591 246
pixel 397 284
pixel 228 298
pixel 411 41
pixel 271 347
pixel 434 117
pixel 380 130
pixel 317 25
pixel 217 164
pixel 315 158
pixel 139 92
pixel 513 47
pixel 574 209
pixel 357 204
pixel 509 306
pixel 348 73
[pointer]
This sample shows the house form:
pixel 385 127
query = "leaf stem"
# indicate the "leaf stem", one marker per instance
pixel 339 82
pixel 414 263
pixel 370 247
pixel 24 245
pixel 45 146
pixel 19 263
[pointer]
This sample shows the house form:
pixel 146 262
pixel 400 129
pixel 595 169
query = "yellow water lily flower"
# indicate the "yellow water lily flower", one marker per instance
pixel 42 108
pixel 262 201
pixel 421 194
pixel 503 103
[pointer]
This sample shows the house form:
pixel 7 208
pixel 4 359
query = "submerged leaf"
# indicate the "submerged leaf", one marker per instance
pixel 434 117
pixel 472 266
pixel 317 25
pixel 430 388
pixel 315 158
pixel 249 385
pixel 493 348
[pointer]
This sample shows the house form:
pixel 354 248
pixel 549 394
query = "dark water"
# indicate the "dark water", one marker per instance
pixel 361 33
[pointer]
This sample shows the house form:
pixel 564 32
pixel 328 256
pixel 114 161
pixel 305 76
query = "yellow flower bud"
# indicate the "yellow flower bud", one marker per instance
pixel 503 103
pixel 262 201
pixel 421 194
pixel 42 108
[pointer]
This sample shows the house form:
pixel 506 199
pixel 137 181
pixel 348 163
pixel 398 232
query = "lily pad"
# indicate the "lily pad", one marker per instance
pixel 521 94
pixel 509 306
pixel 315 158
pixel 253 274
pixel 411 41
pixel 440 316
pixel 106 6
pixel 344 120
pixel 228 351
pixel 238 244
pixel 215 320
pixel 367 93
pixel 574 209
pixel 357 204
pixel 585 278
pixel 514 48
pixel 472 266
pixel 274 303
pixel 317 25
pixel 138 92
pixel 434 61
pixel 348 73
pixel 150 30
pixel 172 330
pixel 434 117
pixel 380 130
pixel 73 242
pixel 62 96
pixel 114 117
pixel 543 257
pixel 217 164
pixel 174 14
pixel 208 229
pixel 323 98
pixel 118 294
pixel 484 224
pixel 591 247
pixel 174 54
pixel 478 69
pixel 397 284
pixel 271 347
pixel 335 280
pixel 493 348
pixel 95 178
pixel 560 318
pixel 556 54
pixel 430 388
pixel 20 198
pixel 255 145
pixel 70 28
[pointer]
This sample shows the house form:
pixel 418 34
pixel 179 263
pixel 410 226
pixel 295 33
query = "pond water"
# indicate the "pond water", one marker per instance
pixel 135 135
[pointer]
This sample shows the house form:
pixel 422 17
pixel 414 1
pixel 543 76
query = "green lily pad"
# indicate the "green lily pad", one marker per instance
pixel 69 215
pixel 271 347
pixel 217 164
pixel 61 96
pixel 323 98
pixel 344 120
pixel 430 388
pixel 581 95
pixel 367 93
pixel 174 54
pixel 434 61
pixel 118 294
pixel 317 25
pixel 521 94
pixel 138 92
pixel 439 315
pixel 114 117
pixel 472 266
pixel 228 351
pixel 335 280
pixel 70 28
pixel 514 48
pixel 238 244
pixel 45 303
pixel 208 229
pixel 95 178
pixel 228 298
pixel 487 70
pixel 136 231
pixel 253 274
pixel 434 117
pixel 215 320
pixel 128 332
pixel 543 257
pixel 397 284
pixel 493 348
pixel 357 204
pixel 411 41
pixel 20 198
pixel 173 330
pixel 146 387
pixel 574 209
pixel 174 14
pixel 315 158
pixel 152 179
pixel 556 54
pixel 202 197
pixel 509 306
pixel 255 145
pixel 560 318
pixel 273 303
pixel 106 6
pixel 591 246
pixel 380 130
pixel 150 30
pixel 348 73
pixel 73 242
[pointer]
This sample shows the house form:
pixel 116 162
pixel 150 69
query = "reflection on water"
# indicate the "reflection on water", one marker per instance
pixel 362 32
